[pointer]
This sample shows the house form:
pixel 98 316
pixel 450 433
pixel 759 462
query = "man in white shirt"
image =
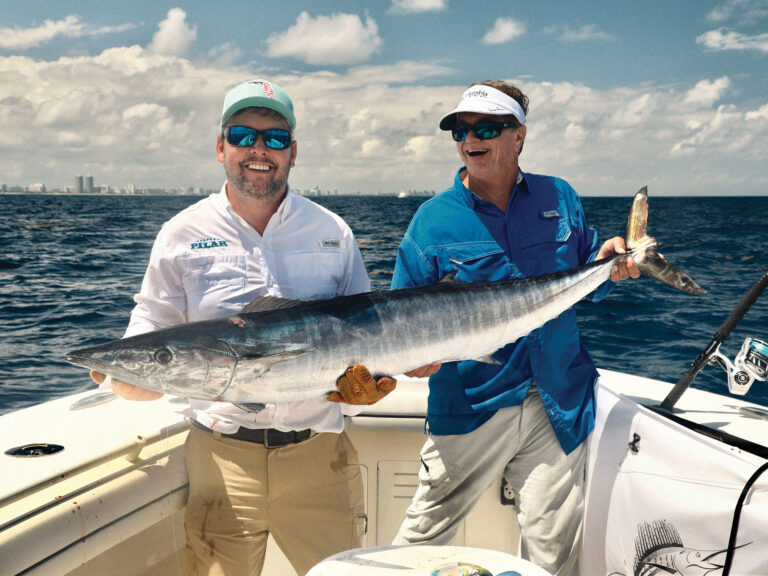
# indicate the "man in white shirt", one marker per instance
pixel 287 469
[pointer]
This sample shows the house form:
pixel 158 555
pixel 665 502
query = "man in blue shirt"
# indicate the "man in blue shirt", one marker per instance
pixel 528 414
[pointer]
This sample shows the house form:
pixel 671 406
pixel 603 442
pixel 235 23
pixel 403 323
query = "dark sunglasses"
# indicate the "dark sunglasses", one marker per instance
pixel 483 130
pixel 274 138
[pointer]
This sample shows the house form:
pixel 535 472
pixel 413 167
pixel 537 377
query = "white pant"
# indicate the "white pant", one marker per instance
pixel 520 443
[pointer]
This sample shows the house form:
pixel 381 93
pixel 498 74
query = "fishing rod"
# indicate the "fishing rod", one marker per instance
pixel 750 364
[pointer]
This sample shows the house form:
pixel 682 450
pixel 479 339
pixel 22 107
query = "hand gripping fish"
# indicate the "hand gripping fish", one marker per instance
pixel 278 350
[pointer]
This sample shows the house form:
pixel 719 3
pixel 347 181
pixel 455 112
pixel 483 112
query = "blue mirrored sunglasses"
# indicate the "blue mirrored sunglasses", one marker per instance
pixel 274 138
pixel 483 130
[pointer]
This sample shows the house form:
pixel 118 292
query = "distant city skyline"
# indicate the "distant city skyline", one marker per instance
pixel 86 185
pixel 673 95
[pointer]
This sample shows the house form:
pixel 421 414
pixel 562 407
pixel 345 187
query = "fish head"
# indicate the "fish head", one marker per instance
pixel 191 365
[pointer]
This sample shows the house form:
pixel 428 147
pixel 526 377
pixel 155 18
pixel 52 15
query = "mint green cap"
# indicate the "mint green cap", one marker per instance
pixel 260 93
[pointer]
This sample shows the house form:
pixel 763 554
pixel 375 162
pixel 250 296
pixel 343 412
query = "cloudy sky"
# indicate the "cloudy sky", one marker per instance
pixel 623 93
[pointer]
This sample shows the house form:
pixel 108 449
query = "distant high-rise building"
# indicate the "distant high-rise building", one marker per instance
pixel 79 184
pixel 89 184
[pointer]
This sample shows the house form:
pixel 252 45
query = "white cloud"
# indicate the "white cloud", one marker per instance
pixel 422 148
pixel 722 12
pixel 584 34
pixel 131 116
pixel 173 37
pixel 719 131
pixel 612 141
pixel 224 54
pixel 125 115
pixel 761 114
pixel 575 134
pixel 416 6
pixel 405 72
pixel 744 11
pixel 337 40
pixel 373 148
pixel 707 92
pixel 723 39
pixel 504 30
pixel 69 27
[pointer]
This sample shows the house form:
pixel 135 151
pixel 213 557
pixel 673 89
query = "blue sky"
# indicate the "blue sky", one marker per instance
pixel 623 94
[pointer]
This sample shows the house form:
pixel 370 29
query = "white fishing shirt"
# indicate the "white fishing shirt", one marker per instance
pixel 207 263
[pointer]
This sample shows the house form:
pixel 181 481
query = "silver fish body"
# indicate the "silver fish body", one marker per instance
pixel 278 351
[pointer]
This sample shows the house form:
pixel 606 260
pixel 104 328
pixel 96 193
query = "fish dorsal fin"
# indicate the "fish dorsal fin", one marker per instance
pixel 448 278
pixel 267 303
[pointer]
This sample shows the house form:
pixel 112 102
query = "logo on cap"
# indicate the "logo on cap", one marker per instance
pixel 267 89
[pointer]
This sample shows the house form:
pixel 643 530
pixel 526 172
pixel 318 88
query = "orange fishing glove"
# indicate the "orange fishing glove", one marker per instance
pixel 357 386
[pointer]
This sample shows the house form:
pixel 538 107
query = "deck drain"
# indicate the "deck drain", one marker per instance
pixel 34 450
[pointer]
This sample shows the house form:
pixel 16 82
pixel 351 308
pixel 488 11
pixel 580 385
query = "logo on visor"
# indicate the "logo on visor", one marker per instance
pixel 476 94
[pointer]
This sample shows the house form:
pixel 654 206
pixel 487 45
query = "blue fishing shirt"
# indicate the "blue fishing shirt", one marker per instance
pixel 543 230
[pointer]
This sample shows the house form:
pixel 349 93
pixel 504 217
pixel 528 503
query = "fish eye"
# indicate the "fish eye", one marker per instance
pixel 163 356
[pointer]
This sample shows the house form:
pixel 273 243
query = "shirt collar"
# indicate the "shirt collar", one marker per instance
pixel 282 211
pixel 472 200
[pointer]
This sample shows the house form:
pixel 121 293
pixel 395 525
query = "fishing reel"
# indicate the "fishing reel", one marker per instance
pixel 750 364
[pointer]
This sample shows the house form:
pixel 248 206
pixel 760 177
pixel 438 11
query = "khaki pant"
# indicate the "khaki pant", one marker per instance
pixel 520 443
pixel 309 496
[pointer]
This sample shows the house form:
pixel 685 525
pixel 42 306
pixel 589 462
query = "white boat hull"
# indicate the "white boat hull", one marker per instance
pixel 664 499
pixel 112 501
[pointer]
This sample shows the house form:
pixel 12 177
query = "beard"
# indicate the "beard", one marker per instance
pixel 275 186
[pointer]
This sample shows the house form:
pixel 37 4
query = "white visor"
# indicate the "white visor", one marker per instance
pixel 484 99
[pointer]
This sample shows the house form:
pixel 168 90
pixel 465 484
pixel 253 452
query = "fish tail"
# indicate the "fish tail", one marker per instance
pixel 643 248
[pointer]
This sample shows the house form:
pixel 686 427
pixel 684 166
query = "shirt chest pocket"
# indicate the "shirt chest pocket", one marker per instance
pixel 544 247
pixel 309 274
pixel 214 273
pixel 480 262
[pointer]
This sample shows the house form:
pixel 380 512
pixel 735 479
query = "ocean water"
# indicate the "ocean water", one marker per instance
pixel 69 266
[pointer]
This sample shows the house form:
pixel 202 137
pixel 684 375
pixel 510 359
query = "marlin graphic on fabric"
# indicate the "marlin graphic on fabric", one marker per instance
pixel 659 551
pixel 279 350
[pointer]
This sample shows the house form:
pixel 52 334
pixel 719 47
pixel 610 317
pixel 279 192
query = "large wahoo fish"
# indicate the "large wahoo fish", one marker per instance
pixel 279 350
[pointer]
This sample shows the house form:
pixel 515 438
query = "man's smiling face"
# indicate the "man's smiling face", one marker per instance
pixel 487 158
pixel 256 171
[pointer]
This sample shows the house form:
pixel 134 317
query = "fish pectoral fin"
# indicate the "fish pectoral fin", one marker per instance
pixel 258 365
pixel 281 356
pixel 488 360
